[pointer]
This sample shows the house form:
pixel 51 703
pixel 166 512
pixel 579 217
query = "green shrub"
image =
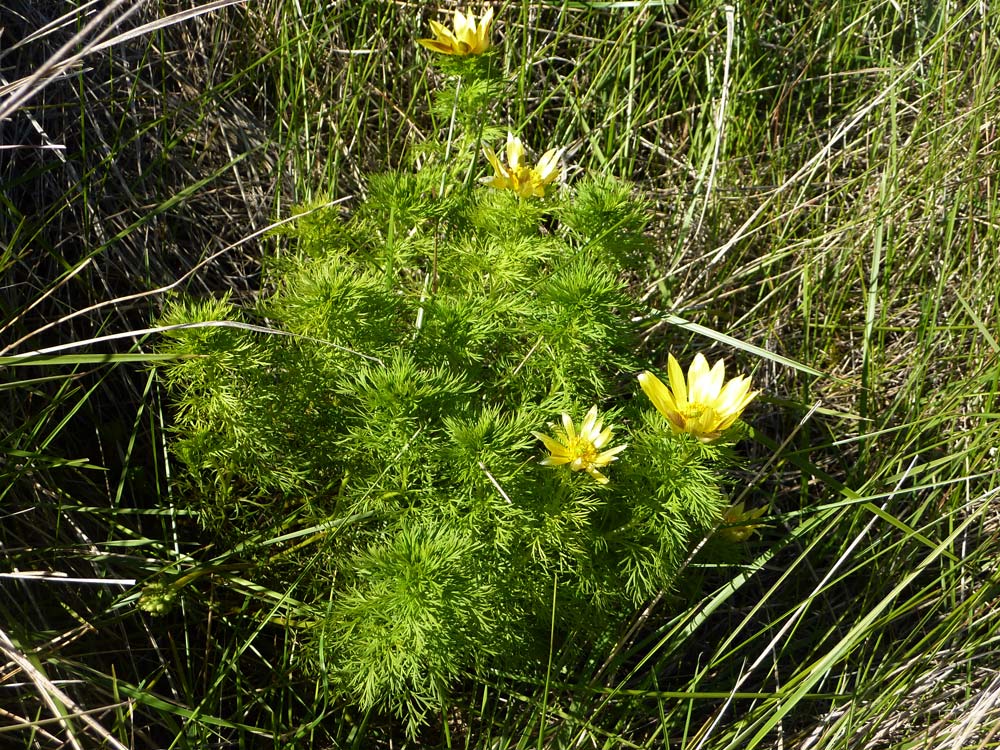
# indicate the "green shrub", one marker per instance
pixel 425 337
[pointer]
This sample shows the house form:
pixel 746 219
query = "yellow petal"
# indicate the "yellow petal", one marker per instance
pixel 705 426
pixel 697 380
pixel 514 151
pixel 724 424
pixel 677 384
pixel 477 36
pixel 555 460
pixel 733 513
pixel 735 396
pixel 713 382
pixel 484 27
pixel 660 395
pixel 610 455
pixel 601 479
pixel 601 438
pixel 548 166
pixel 568 426
pixel 551 444
pixel 443 33
pixel 436 45
pixel 491 157
pixel 464 26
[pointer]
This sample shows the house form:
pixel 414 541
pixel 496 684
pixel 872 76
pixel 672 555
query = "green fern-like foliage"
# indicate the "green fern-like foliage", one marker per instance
pixel 425 337
pixel 368 429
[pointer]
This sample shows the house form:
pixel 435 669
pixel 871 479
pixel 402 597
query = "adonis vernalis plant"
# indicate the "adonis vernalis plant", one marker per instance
pixel 738 523
pixel 404 452
pixel 580 450
pixel 701 406
pixel 467 37
pixel 516 175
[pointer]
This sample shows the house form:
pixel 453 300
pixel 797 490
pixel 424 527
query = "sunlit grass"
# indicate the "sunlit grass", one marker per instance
pixel 825 184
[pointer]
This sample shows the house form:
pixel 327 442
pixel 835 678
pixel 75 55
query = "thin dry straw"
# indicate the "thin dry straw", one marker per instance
pixel 57 64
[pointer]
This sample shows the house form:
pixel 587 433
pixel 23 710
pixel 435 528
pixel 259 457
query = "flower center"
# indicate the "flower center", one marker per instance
pixel 700 417
pixel 583 452
pixel 521 175
pixel 699 411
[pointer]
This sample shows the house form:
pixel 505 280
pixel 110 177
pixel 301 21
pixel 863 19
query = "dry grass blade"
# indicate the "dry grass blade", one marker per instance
pixel 56 64
pixel 153 292
pixel 56 699
pixel 162 23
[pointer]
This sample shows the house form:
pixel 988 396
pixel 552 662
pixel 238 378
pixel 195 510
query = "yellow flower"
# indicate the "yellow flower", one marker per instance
pixel 702 406
pixel 468 38
pixel 523 179
pixel 739 523
pixel 582 451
